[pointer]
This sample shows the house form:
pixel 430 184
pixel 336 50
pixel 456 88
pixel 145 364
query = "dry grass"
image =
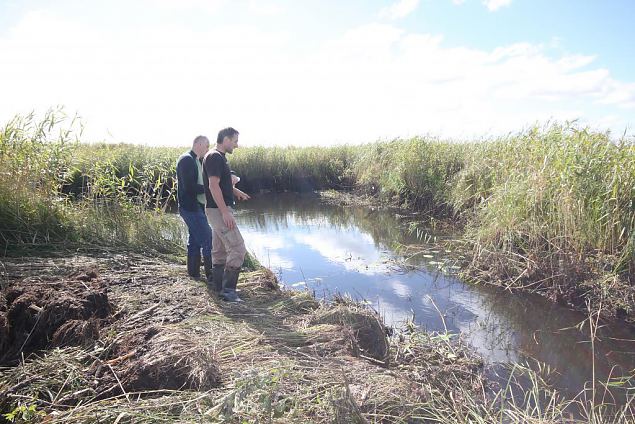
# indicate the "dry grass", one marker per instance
pixel 280 354
pixel 173 352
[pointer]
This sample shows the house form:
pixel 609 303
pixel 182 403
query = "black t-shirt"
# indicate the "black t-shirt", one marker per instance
pixel 215 165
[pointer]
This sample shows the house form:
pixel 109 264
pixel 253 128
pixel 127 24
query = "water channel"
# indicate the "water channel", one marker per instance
pixel 330 249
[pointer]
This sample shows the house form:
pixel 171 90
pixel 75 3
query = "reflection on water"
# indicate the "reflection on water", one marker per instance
pixel 331 249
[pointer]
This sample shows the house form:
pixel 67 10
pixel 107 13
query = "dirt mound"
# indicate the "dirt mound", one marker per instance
pixel 332 340
pixel 369 334
pixel 260 281
pixel 4 332
pixel 34 315
pixel 76 333
pixel 267 280
pixel 161 359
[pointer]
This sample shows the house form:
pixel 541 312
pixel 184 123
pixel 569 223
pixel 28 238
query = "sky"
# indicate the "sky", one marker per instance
pixel 309 72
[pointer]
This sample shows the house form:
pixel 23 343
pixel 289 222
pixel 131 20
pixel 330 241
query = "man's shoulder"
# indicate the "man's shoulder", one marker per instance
pixel 185 157
pixel 213 152
pixel 213 155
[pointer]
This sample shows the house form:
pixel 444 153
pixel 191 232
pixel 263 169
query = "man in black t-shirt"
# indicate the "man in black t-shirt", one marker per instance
pixel 228 246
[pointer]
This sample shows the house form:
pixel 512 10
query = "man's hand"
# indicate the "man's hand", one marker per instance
pixel 228 219
pixel 241 195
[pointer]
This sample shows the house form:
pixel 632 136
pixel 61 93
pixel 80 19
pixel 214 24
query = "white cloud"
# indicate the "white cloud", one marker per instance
pixel 354 252
pixel 210 6
pixel 399 10
pixel 264 242
pixel 399 288
pixel 268 249
pixel 165 85
pixel 496 91
pixel 264 8
pixel 142 86
pixel 393 315
pixel 494 5
pixel 275 261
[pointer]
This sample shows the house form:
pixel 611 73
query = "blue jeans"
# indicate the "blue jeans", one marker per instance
pixel 200 234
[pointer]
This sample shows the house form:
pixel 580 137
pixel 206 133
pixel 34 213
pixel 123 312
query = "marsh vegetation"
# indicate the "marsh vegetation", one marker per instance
pixel 549 210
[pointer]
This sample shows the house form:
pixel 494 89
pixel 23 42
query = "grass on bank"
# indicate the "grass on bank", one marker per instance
pixel 40 159
pixel 561 190
pixel 31 165
pixel 280 357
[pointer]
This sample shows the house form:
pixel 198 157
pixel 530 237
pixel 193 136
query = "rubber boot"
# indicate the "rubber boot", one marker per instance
pixel 194 266
pixel 207 266
pixel 218 270
pixel 230 280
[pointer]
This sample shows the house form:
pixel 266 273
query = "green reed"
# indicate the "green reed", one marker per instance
pixel 561 191
pixel 415 173
pixel 54 190
pixel 294 168
pixel 548 197
pixel 34 156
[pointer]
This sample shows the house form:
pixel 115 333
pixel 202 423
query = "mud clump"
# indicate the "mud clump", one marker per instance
pixel 332 340
pixel 4 324
pixel 261 281
pixel 36 316
pixel 267 280
pixel 161 359
pixel 4 331
pixel 369 335
pixel 76 332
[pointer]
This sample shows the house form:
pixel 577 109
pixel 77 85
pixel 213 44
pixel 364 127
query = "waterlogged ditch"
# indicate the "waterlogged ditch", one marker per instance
pixel 333 250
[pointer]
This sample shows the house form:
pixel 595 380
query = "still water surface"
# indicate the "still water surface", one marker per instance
pixel 331 249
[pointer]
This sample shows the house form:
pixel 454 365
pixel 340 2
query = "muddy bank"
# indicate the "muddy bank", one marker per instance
pixel 584 284
pixel 139 341
pixel 123 351
pixel 35 315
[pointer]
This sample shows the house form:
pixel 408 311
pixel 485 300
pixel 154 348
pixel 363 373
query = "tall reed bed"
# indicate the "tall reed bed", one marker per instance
pixel 141 173
pixel 34 157
pixel 551 198
pixel 534 205
pixel 294 168
pixel 417 173
pixel 55 190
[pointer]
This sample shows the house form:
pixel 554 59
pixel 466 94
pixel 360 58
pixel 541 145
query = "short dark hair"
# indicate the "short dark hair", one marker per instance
pixel 226 132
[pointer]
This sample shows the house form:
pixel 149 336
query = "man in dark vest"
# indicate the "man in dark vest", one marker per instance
pixel 191 199
pixel 228 246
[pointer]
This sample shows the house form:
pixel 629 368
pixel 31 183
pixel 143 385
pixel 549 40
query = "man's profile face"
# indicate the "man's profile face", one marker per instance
pixel 230 143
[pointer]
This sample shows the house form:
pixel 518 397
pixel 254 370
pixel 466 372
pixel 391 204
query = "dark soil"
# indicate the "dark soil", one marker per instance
pixel 154 359
pixel 136 352
pixel 36 315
